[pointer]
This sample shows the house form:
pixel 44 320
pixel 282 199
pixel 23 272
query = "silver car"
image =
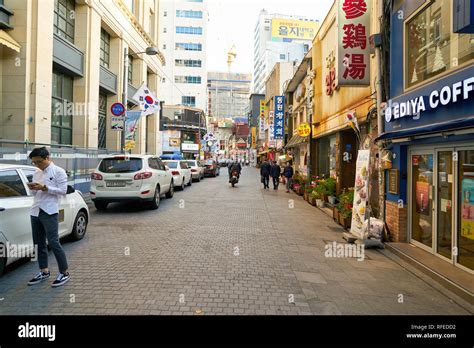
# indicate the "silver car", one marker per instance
pixel 197 169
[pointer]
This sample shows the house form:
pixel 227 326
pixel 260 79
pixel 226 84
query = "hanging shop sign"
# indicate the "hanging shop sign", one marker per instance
pixel 304 130
pixel 331 82
pixel 279 127
pixel 271 124
pixel 261 129
pixel 460 90
pixel 353 51
pixel 262 108
pixel 254 137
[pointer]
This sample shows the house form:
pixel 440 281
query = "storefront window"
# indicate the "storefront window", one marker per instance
pixel 466 213
pixel 327 156
pixel 431 46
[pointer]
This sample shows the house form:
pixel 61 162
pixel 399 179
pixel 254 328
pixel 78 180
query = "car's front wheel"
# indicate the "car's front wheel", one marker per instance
pixel 80 226
pixel 100 205
pixel 155 203
pixel 170 193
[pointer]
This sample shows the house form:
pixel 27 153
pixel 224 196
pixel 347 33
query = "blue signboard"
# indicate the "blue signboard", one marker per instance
pixel 279 126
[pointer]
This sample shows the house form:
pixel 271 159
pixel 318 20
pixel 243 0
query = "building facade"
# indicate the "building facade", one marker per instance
pixel 429 127
pixel 183 31
pixel 59 87
pixel 279 38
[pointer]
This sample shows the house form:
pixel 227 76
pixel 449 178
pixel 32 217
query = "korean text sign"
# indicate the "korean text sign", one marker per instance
pixel 279 122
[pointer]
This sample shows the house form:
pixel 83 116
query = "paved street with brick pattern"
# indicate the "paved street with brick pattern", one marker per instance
pixel 213 249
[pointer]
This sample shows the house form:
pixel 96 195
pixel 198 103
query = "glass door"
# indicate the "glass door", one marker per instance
pixel 422 198
pixel 444 202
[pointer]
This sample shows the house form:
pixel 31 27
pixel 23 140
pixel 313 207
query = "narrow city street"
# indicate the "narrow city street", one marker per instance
pixel 213 249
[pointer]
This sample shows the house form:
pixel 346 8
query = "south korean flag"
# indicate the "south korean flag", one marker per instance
pixel 147 101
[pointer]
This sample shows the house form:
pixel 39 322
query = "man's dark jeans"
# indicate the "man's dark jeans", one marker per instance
pixel 46 226
pixel 266 181
pixel 276 182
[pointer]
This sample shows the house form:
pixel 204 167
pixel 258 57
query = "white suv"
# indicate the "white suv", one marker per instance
pixel 127 178
pixel 181 172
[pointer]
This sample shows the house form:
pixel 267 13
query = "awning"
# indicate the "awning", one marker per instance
pixel 432 128
pixel 8 41
pixel 296 140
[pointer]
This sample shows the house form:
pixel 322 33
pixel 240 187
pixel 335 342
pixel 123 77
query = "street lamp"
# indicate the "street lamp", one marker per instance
pixel 151 51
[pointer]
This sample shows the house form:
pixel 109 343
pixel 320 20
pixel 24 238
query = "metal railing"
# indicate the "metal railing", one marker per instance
pixel 76 161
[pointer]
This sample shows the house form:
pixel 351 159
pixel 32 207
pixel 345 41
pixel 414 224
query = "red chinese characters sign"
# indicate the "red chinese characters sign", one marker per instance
pixel 353 53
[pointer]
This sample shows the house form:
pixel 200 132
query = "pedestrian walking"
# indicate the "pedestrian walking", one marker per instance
pixel 265 173
pixel 288 174
pixel 48 186
pixel 275 172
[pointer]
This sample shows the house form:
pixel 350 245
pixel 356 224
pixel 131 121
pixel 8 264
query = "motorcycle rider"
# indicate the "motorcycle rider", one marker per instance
pixel 234 166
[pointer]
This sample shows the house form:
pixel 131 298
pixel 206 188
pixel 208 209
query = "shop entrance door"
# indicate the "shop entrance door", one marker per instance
pixel 444 202
pixel 422 210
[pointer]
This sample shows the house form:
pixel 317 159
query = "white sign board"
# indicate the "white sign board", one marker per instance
pixel 361 193
pixel 117 123
pixel 189 147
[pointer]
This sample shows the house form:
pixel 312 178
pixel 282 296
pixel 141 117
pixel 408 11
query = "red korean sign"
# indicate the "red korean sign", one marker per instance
pixel 353 51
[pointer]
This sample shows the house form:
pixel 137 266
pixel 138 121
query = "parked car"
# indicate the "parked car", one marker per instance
pixel 181 173
pixel 197 169
pixel 211 168
pixel 136 178
pixel 222 162
pixel 16 200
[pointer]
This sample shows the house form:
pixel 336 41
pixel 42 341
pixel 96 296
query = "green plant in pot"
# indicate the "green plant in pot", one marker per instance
pixel 330 186
pixel 346 199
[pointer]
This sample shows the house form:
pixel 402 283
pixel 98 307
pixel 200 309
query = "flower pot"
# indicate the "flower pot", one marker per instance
pixel 312 200
pixel 332 200
pixel 347 223
pixel 305 196
pixel 325 197
pixel 335 214
pixel 319 203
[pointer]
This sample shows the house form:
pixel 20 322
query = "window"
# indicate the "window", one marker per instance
pixel 120 165
pixel 188 63
pixel 188 101
pixel 11 184
pixel 130 5
pixel 153 163
pixel 64 19
pixel 130 70
pixel 161 165
pixel 189 46
pixel 104 49
pixel 283 56
pixel 61 120
pixel 188 14
pixel 431 46
pixel 29 174
pixel 183 165
pixel 102 126
pixel 172 165
pixel 189 30
pixel 188 79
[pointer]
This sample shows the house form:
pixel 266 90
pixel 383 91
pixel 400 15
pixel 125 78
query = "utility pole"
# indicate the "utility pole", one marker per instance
pixel 124 94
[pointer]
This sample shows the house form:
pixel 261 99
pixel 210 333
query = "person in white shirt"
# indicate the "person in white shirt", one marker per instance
pixel 49 184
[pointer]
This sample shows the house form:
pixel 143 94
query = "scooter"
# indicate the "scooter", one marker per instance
pixel 234 179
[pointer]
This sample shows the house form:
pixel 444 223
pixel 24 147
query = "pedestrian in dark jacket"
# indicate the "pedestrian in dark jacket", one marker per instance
pixel 265 173
pixel 275 172
pixel 288 174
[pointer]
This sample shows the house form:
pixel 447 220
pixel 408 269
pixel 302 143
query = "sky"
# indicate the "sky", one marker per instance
pixel 233 22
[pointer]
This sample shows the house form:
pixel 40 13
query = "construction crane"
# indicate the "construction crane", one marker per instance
pixel 231 54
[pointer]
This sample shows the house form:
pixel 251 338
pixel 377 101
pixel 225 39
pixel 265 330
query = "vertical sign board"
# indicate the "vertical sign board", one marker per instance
pixel 271 119
pixel 279 126
pixel 353 51
pixel 361 193
pixel 261 129
pixel 254 137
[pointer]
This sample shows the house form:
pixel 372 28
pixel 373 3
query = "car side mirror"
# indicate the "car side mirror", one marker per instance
pixel 70 189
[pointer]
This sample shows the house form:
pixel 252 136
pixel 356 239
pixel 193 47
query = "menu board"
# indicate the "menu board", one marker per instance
pixel 467 207
pixel 361 189
pixel 393 181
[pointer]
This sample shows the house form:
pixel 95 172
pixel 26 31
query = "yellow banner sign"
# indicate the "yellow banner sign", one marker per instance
pixel 293 29
pixel 304 130
pixel 254 137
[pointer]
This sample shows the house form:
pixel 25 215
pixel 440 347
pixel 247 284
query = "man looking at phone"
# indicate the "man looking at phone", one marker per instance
pixel 49 184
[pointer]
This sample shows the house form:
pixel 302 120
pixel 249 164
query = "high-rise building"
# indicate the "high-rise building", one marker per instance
pixel 279 38
pixel 228 94
pixel 182 39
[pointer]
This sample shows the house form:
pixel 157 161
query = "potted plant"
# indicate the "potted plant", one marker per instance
pixel 344 207
pixel 308 190
pixel 312 197
pixel 330 185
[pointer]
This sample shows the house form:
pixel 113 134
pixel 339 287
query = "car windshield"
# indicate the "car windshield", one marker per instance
pixel 120 165
pixel 210 162
pixel 192 163
pixel 172 165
